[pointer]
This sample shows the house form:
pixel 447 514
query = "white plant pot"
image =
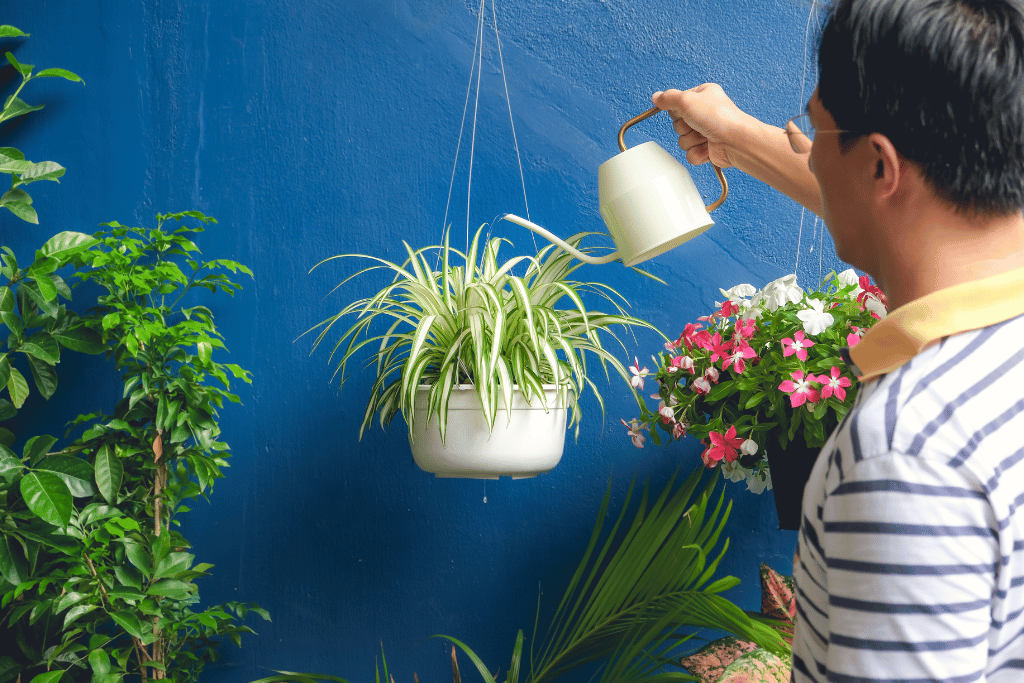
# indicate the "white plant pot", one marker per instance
pixel 525 442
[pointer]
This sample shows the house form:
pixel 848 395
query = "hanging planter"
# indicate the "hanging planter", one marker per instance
pixel 445 327
pixel 526 441
pixel 790 468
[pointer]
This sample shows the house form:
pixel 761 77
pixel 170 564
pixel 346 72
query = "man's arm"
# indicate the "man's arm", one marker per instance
pixel 711 127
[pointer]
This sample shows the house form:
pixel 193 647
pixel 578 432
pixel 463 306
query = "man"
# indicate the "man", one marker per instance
pixel 910 559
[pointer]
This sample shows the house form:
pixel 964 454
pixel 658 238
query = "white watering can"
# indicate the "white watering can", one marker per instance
pixel 648 201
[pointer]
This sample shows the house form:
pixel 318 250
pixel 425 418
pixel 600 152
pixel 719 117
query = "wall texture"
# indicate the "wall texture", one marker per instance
pixel 316 128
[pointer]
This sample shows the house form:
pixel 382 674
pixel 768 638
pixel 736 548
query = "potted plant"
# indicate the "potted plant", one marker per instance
pixel 482 363
pixel 764 384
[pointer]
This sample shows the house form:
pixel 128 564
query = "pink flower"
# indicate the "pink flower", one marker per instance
pixel 678 430
pixel 637 380
pixel 719 348
pixel 635 430
pixel 796 344
pixel 800 391
pixel 701 385
pixel 854 337
pixel 702 340
pixel 711 374
pixel 668 416
pixel 745 329
pixel 681 363
pixel 729 309
pixel 836 384
pixel 705 456
pixel 687 337
pixel 724 445
pixel 740 352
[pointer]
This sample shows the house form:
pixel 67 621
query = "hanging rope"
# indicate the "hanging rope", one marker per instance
pixel 800 105
pixel 476 69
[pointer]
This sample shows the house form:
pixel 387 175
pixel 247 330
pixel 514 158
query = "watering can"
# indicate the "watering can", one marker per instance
pixel 648 201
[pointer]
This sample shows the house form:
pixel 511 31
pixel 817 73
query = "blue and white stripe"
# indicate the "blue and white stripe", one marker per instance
pixel 911 553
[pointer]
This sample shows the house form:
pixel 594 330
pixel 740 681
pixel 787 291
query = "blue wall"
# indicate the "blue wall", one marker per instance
pixel 315 128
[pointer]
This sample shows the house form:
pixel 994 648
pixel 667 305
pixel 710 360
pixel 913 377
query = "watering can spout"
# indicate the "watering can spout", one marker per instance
pixel 551 237
pixel 648 201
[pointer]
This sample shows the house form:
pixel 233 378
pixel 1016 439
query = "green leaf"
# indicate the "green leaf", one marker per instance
pixel 139 557
pixel 67 243
pixel 62 73
pixel 81 339
pixel 45 376
pixel 23 69
pixel 76 473
pixel 205 351
pixel 130 623
pixel 49 676
pixel 6 300
pixel 171 588
pixel 99 661
pixel 109 472
pixel 172 564
pixel 5 371
pixel 43 170
pixel 37 446
pixel 12 565
pixel 7 31
pixel 43 346
pixel 23 210
pixel 18 388
pixel 76 612
pixel 47 497
pixel 9 464
pixel 13 323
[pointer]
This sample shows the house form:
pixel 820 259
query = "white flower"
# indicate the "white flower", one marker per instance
pixel 781 292
pixel 733 471
pixel 815 319
pixel 759 481
pixel 748 447
pixel 849 277
pixel 739 295
pixel 875 306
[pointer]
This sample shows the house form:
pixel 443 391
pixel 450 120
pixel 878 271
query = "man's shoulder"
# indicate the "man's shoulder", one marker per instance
pixel 964 391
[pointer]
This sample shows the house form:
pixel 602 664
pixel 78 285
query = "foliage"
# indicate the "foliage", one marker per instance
pixel 643 591
pixel 477 323
pixel 12 162
pixel 767 368
pixel 98 581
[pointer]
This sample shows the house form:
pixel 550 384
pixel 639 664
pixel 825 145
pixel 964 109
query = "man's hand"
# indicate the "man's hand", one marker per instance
pixel 704 118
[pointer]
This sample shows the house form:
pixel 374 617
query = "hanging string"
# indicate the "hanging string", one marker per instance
pixel 508 100
pixel 476 107
pixel 465 108
pixel 800 106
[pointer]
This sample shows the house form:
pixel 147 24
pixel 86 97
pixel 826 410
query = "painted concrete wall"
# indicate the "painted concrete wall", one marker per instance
pixel 316 128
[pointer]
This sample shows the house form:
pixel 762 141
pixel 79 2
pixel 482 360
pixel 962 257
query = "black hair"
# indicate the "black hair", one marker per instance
pixel 943 80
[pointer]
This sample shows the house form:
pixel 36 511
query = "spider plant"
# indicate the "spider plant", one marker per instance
pixel 449 318
pixel 642 592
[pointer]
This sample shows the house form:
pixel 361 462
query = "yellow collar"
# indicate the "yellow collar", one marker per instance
pixel 910 328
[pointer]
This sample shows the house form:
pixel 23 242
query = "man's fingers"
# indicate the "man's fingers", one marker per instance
pixel 698 154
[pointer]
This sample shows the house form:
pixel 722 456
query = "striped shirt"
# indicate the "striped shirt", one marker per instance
pixel 910 559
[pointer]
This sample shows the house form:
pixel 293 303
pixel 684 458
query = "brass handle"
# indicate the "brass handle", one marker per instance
pixel 718 172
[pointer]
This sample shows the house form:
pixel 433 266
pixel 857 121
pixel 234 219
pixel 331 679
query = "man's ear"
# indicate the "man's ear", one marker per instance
pixel 889 165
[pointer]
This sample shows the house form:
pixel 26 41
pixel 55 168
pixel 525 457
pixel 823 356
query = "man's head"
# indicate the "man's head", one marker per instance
pixel 944 81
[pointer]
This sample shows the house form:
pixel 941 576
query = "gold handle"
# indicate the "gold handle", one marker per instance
pixel 718 172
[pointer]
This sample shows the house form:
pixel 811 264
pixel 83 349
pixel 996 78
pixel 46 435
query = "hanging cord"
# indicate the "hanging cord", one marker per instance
pixel 508 100
pixel 465 108
pixel 476 107
pixel 803 81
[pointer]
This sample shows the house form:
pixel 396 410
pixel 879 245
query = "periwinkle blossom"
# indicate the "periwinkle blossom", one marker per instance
pixel 849 277
pixel 781 292
pixel 815 319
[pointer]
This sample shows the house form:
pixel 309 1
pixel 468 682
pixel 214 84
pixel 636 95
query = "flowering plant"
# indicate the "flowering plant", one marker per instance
pixel 762 369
